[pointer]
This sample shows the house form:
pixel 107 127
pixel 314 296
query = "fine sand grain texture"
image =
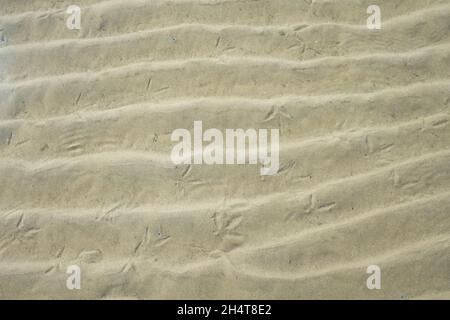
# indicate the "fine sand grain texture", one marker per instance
pixel 86 118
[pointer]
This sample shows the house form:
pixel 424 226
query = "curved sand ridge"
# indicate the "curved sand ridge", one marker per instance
pixel 85 124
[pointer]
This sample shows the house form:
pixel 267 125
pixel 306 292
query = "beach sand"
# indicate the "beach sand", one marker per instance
pixel 86 118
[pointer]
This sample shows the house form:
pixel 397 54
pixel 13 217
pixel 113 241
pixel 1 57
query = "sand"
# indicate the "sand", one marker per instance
pixel 86 118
